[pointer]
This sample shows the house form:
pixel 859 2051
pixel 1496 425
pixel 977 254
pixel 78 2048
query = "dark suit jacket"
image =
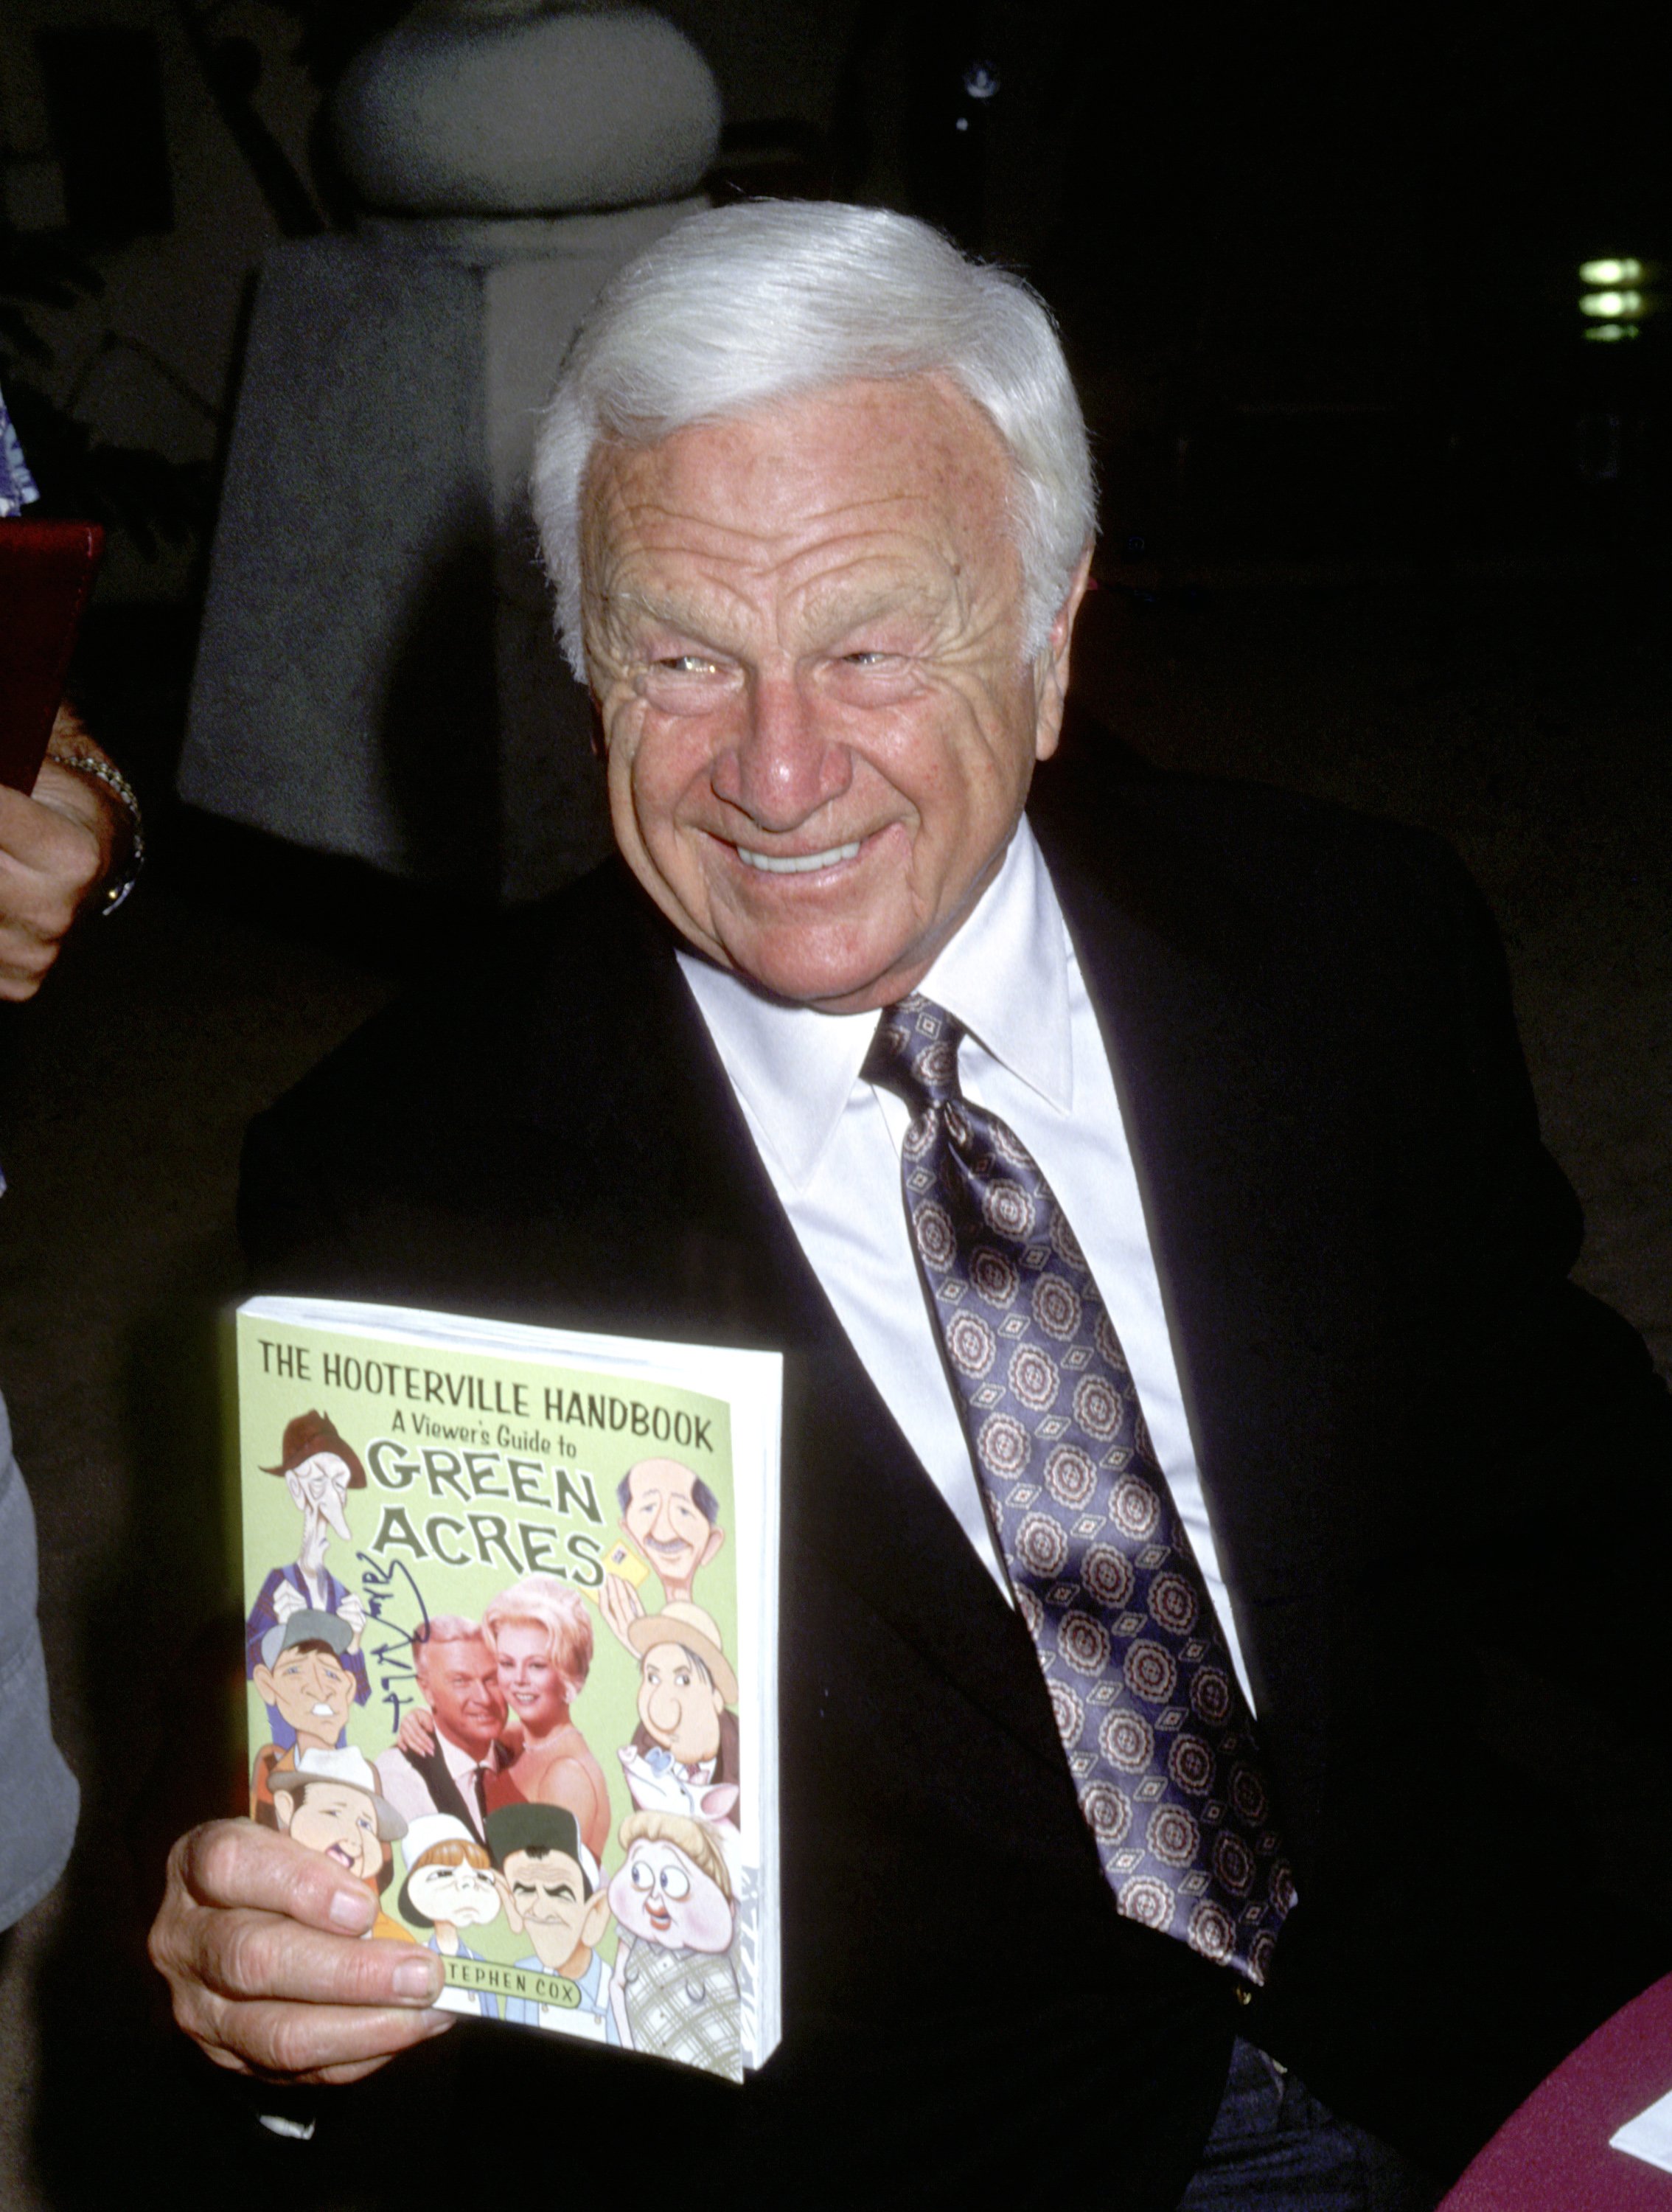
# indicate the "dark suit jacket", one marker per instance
pixel 432 1770
pixel 1397 1399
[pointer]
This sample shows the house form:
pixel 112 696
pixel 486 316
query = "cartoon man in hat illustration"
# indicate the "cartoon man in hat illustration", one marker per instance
pixel 319 1469
pixel 329 1802
pixel 302 1672
pixel 684 1755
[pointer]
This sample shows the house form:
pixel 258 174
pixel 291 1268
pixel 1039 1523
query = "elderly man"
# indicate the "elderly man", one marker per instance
pixel 1185 1386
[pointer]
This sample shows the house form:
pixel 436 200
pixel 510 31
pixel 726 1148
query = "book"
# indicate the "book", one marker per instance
pixel 46 573
pixel 511 1602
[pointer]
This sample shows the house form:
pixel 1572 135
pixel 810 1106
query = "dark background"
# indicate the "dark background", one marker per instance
pixel 1378 522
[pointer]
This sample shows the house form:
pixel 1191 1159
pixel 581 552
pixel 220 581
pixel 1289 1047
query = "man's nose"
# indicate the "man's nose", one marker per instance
pixel 784 766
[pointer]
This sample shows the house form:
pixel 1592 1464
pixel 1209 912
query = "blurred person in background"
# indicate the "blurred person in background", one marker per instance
pixel 71 841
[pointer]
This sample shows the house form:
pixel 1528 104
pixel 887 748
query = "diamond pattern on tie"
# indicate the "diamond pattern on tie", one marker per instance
pixel 1158 1737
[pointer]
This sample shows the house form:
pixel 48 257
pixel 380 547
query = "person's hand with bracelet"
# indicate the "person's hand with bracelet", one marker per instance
pixel 75 837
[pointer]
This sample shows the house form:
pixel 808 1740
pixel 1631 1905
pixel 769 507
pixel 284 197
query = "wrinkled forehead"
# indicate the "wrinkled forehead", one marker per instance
pixel 474 1653
pixel 910 462
pixel 662 1478
pixel 311 1655
pixel 326 1463
pixel 547 1868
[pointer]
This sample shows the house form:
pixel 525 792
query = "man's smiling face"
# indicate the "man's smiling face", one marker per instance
pixel 804 632
pixel 460 1678
pixel 664 1519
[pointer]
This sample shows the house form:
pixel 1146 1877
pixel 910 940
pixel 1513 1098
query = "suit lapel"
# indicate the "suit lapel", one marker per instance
pixel 1224 1149
pixel 445 1793
pixel 1233 1192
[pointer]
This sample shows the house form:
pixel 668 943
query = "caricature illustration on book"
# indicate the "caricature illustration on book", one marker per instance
pixel 510 1656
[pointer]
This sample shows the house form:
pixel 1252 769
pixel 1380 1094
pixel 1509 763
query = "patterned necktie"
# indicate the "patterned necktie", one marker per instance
pixel 1159 1739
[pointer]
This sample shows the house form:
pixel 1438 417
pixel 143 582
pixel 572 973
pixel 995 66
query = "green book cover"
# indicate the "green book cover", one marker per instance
pixel 510 1654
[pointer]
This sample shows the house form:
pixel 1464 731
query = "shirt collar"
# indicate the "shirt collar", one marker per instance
pixel 457 1760
pixel 1004 976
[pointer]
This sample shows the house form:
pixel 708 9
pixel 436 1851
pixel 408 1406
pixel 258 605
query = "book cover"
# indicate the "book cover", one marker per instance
pixel 510 1651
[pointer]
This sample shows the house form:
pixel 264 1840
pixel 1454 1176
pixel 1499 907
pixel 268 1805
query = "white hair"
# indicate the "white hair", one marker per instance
pixel 740 306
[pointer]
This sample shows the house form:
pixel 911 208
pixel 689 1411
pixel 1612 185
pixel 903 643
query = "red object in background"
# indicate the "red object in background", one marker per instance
pixel 46 572
pixel 1553 2155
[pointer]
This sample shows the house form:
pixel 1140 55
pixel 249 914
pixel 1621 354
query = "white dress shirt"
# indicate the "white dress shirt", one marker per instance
pixel 408 1792
pixel 831 1145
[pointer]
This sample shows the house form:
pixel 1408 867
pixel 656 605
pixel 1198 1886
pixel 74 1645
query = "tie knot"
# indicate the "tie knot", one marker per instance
pixel 914 1053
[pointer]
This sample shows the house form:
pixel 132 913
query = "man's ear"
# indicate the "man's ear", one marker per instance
pixel 508 1902
pixel 293 1486
pixel 595 1920
pixel 284 1806
pixel 717 1538
pixel 263 1679
pixel 1051 677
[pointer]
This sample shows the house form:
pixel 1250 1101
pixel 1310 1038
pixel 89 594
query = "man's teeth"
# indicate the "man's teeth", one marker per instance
pixel 797 864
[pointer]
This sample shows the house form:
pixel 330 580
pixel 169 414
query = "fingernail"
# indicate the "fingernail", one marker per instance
pixel 435 2022
pixel 350 1911
pixel 418 1977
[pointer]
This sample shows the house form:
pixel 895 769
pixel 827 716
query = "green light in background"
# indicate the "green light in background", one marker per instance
pixel 1610 333
pixel 1611 272
pixel 1610 304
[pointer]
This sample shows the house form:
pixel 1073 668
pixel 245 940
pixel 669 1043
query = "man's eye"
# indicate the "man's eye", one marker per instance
pixel 686 664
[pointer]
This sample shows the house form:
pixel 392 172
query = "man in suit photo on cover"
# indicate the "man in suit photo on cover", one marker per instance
pixel 1188 1417
pixel 445 1770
